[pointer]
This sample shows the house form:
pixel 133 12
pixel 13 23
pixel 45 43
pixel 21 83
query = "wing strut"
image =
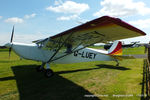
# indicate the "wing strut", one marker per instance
pixel 60 46
pixel 76 50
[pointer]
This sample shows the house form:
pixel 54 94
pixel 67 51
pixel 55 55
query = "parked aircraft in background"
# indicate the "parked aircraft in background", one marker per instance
pixel 71 46
pixel 131 45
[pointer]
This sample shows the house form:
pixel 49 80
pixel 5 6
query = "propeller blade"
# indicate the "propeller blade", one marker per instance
pixel 12 35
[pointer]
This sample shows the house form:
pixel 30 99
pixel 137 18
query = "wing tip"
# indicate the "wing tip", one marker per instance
pixel 123 23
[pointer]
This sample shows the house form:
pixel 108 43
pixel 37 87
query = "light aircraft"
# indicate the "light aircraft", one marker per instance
pixel 131 45
pixel 71 46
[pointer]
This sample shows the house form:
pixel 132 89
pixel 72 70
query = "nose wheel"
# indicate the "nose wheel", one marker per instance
pixel 40 68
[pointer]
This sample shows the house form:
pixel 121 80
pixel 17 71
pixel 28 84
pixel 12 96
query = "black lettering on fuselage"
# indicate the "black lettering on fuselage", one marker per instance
pixel 76 53
pixel 94 55
pixel 84 54
pixel 90 55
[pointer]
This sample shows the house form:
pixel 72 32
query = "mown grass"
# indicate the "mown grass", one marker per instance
pixel 20 81
pixel 134 51
pixel 5 49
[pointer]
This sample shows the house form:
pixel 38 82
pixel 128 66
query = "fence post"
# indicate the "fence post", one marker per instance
pixel 148 71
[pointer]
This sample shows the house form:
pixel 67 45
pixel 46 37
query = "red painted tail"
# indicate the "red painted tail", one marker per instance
pixel 116 48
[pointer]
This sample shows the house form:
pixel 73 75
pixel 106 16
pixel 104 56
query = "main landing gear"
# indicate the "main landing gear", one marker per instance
pixel 40 68
pixel 117 62
pixel 48 72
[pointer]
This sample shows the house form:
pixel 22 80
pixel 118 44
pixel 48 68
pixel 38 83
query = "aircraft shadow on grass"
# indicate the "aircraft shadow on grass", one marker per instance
pixel 33 85
pixel 113 67
pixel 101 66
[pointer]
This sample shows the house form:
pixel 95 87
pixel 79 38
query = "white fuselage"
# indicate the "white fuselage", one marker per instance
pixel 34 52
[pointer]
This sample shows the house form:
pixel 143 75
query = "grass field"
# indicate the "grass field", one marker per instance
pixel 103 80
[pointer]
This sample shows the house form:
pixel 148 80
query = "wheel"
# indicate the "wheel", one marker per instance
pixel 49 73
pixel 117 64
pixel 39 68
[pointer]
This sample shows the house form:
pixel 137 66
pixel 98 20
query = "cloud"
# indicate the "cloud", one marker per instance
pixel 1 17
pixel 14 20
pixel 143 24
pixel 30 16
pixel 119 8
pixel 67 17
pixel 69 7
pixel 58 2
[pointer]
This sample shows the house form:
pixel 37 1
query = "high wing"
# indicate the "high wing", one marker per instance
pixel 102 29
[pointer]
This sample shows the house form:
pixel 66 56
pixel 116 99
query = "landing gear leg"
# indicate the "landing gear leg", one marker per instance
pixel 40 68
pixel 117 62
pixel 48 71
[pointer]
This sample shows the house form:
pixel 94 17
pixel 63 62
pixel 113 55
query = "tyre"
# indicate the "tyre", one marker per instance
pixel 49 73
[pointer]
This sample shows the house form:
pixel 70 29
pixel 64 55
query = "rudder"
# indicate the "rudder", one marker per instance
pixel 116 48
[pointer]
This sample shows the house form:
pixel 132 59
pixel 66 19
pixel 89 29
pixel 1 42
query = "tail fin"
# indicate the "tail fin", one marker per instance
pixel 116 48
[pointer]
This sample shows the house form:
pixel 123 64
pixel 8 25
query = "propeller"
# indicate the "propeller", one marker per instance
pixel 12 35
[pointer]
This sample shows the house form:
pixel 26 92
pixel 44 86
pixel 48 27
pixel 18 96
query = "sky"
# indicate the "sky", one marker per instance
pixel 37 19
